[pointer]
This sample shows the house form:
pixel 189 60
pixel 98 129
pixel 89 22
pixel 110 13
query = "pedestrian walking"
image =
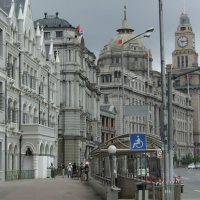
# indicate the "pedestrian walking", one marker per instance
pixel 52 170
pixel 86 170
pixel 69 170
pixel 73 169
pixel 63 170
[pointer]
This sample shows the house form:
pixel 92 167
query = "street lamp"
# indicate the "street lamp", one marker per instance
pixel 112 150
pixel 144 34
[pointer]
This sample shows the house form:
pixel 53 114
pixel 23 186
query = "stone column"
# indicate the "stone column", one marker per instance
pixel 72 94
pixel 77 94
pixel 67 97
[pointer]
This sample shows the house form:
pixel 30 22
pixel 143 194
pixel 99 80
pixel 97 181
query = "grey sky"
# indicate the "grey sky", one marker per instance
pixel 99 20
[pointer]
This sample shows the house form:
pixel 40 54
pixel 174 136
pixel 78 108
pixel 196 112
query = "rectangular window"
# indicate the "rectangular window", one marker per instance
pixel 106 98
pixel 25 78
pixel 41 89
pixel 15 115
pixel 47 35
pixel 59 34
pixel 33 82
pixel 47 47
pixel 182 61
pixel 106 78
pixel 178 61
pixel 1 42
pixel 25 118
pixel 1 97
pixel 186 61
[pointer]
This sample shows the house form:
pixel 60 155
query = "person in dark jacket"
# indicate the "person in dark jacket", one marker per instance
pixel 52 170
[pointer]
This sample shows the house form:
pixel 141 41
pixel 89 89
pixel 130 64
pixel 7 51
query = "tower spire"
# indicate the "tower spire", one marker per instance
pixel 125 12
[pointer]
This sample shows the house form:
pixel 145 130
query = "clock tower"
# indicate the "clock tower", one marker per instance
pixel 184 55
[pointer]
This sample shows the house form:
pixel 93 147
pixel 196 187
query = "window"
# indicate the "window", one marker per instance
pixel 47 35
pixel 41 89
pixel 106 78
pixel 59 34
pixel 1 97
pixel 1 42
pixel 178 61
pixel 117 74
pixel 182 61
pixel 47 47
pixel 33 82
pixel 106 98
pixel 25 78
pixel 186 61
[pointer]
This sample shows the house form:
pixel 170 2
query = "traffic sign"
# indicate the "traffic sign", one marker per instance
pixel 159 153
pixel 138 141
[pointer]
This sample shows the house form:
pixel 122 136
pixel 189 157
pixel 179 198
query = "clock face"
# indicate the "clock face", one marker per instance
pixel 182 41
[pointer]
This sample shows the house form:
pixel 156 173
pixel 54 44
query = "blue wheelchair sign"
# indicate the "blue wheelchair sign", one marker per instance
pixel 138 141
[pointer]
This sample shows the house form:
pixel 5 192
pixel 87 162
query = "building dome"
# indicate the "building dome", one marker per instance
pixel 184 19
pixel 53 21
pixel 113 44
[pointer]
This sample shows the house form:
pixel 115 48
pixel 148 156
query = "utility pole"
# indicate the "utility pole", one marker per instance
pixel 164 103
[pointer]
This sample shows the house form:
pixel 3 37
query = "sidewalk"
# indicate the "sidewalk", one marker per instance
pixel 47 189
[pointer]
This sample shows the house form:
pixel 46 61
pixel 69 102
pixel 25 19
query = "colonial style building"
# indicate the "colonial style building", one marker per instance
pixel 144 90
pixel 79 117
pixel 185 57
pixel 108 115
pixel 29 94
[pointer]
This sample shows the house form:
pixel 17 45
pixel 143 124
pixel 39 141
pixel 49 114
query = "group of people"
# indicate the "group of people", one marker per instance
pixel 72 169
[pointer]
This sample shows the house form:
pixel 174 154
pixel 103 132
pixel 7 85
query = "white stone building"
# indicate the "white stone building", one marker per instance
pixel 29 93
pixel 144 90
pixel 79 117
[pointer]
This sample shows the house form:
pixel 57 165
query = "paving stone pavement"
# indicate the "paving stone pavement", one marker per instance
pixel 57 188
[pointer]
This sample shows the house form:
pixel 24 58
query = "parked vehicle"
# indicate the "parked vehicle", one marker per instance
pixel 197 165
pixel 191 166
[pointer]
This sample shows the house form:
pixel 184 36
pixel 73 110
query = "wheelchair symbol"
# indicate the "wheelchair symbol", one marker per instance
pixel 138 143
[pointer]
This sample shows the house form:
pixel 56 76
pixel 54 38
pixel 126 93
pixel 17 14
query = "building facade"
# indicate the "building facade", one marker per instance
pixel 185 57
pixel 30 88
pixel 143 90
pixel 79 117
pixel 108 115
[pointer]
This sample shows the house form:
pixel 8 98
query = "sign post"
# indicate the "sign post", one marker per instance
pixel 138 141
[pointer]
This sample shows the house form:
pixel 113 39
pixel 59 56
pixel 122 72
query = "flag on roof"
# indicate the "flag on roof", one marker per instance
pixel 78 28
pixel 146 55
pixel 120 41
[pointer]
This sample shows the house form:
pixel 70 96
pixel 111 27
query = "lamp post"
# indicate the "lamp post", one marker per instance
pixel 112 150
pixel 144 34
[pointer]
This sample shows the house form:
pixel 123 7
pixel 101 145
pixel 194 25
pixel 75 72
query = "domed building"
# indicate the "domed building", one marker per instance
pixel 79 123
pixel 127 80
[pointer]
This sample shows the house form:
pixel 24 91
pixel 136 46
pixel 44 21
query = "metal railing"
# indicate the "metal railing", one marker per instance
pixel 18 175
pixel 105 180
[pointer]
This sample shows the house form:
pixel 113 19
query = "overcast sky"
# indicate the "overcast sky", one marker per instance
pixel 99 20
